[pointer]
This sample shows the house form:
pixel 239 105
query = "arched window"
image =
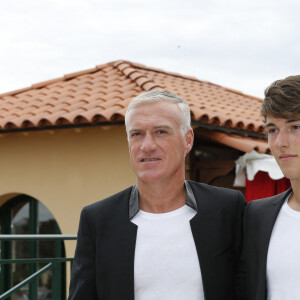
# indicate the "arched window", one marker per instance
pixel 25 215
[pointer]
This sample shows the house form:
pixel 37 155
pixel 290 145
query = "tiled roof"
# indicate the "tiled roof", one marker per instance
pixel 102 94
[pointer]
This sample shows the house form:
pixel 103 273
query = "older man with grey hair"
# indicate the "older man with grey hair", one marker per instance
pixel 165 237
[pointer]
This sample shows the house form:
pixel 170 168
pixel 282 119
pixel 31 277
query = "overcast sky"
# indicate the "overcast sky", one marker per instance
pixel 243 45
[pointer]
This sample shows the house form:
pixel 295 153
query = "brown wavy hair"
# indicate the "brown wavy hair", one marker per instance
pixel 282 98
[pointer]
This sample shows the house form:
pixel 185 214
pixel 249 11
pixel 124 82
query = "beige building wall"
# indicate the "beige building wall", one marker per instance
pixel 65 169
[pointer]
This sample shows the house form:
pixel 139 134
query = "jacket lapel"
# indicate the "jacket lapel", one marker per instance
pixel 264 235
pixel 203 226
pixel 127 260
pixel 119 249
pixel 201 237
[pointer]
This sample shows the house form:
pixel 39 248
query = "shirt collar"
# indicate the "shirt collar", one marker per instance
pixel 134 199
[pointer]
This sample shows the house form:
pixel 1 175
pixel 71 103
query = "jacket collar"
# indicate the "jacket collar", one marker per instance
pixel 134 199
pixel 279 199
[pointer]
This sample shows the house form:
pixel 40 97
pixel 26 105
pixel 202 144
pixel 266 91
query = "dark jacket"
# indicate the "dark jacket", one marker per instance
pixel 103 267
pixel 260 217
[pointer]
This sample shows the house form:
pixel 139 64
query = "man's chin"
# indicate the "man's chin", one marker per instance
pixel 149 178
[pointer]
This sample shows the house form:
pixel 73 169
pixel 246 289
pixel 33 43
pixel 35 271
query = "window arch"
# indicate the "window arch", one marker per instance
pixel 25 215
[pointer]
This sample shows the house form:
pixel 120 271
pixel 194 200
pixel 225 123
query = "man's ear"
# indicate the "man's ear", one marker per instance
pixel 189 139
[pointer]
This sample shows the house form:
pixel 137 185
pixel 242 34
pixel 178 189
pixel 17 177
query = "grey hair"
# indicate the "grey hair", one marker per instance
pixel 156 96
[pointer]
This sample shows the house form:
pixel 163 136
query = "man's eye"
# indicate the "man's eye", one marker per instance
pixel 161 132
pixel 271 131
pixel 135 134
pixel 296 127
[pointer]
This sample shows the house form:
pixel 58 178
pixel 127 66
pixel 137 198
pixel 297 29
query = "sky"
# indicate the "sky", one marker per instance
pixel 241 44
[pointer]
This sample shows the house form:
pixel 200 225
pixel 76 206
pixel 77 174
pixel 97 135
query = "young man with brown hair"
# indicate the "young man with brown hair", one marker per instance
pixel 272 225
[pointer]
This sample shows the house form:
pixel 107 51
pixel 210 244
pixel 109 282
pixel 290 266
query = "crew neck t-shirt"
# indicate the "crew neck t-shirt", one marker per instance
pixel 166 264
pixel 283 261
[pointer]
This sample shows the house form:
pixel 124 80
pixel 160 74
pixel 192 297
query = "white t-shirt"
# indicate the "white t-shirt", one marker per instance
pixel 283 262
pixel 166 265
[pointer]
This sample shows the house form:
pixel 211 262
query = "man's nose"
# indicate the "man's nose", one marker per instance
pixel 282 139
pixel 148 143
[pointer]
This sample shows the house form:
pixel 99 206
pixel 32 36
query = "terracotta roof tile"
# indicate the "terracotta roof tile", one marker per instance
pixel 71 116
pixel 40 118
pixel 102 94
pixel 89 115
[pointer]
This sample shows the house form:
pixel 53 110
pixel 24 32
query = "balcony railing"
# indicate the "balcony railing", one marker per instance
pixel 51 262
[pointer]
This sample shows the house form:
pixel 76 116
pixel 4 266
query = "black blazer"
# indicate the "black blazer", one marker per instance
pixel 260 217
pixel 103 266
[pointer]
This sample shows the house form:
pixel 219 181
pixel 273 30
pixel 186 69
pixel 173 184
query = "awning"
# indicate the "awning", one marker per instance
pixel 251 163
pixel 244 144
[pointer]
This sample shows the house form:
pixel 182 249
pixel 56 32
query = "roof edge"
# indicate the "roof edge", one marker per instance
pixel 144 67
pixel 57 79
pixel 116 63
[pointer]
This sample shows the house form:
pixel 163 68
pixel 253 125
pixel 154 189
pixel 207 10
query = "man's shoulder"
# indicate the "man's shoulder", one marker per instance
pixel 216 195
pixel 261 204
pixel 210 189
